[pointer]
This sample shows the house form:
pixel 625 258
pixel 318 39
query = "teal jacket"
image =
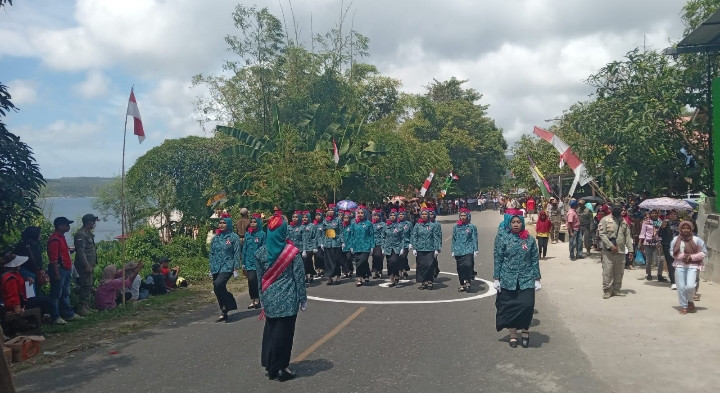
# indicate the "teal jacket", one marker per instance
pixel 224 252
pixel 464 239
pixel 379 232
pixel 424 237
pixel 393 239
pixel 516 261
pixel 309 237
pixel 283 297
pixel 438 235
pixel 295 235
pixel 333 224
pixel 362 236
pixel 253 241
pixel 406 228
pixel 345 237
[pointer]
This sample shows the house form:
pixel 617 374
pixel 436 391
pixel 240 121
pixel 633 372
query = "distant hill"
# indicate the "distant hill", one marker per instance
pixel 75 186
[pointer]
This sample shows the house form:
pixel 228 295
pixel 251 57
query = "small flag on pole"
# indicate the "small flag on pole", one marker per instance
pixel 336 154
pixel 426 184
pixel 453 177
pixel 132 110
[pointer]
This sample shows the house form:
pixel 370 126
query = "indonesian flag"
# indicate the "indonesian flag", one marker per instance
pixel 132 110
pixel 426 184
pixel 336 154
pixel 453 177
pixel 566 155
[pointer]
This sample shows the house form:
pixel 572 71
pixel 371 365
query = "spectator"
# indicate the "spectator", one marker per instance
pixel 243 223
pixel 157 281
pixel 12 287
pixel 60 271
pixel 108 294
pixel 139 290
pixel 648 242
pixel 573 230
pixel 688 251
pixel 555 214
pixel 169 275
pixel 85 261
pixel 29 247
pixel 616 240
pixel 542 230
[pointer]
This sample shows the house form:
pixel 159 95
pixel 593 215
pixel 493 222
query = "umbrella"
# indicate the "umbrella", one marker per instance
pixel 692 203
pixel 346 204
pixel 592 199
pixel 665 204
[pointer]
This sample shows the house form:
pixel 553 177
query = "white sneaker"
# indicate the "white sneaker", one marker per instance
pixel 673 287
pixel 59 321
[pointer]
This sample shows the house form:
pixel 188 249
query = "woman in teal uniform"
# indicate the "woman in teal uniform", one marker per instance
pixel 393 241
pixel 362 241
pixel 330 242
pixel 423 243
pixel 254 239
pixel 464 249
pixel 377 253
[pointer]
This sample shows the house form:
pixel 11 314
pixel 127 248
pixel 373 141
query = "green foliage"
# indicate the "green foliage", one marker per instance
pixel 109 203
pixel 20 177
pixel 545 157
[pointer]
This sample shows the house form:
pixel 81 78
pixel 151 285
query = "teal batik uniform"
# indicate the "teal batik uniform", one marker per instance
pixel 362 236
pixel 309 237
pixel 224 252
pixel 437 230
pixel 345 237
pixel 253 241
pixel 295 235
pixel 335 225
pixel 406 228
pixel 379 232
pixel 282 298
pixel 516 260
pixel 424 237
pixel 393 240
pixel 464 239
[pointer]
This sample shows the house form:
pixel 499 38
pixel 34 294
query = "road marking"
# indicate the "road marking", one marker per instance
pixel 325 338
pixel 491 292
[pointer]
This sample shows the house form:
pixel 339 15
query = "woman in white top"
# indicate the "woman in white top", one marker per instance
pixel 688 252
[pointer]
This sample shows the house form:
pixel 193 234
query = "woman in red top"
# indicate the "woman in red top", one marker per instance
pixel 12 287
pixel 542 231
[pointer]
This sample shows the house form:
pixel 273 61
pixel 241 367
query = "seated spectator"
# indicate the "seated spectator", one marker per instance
pixel 157 280
pixel 169 275
pixel 12 287
pixel 107 295
pixel 138 290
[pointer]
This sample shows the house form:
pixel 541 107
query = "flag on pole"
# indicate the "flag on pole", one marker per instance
pixel 426 184
pixel 132 110
pixel 539 179
pixel 453 177
pixel 566 155
pixel 336 154
pixel 448 182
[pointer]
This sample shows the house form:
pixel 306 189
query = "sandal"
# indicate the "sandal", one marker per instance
pixel 251 305
pixel 422 286
pixel 358 283
pixel 691 307
pixel 684 311
pixel 429 286
pixel 461 289
pixel 513 342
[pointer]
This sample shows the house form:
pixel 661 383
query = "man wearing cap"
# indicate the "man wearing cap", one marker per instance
pixel 615 239
pixel 60 272
pixel 85 262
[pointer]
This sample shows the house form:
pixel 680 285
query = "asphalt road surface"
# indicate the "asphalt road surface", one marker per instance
pixel 368 339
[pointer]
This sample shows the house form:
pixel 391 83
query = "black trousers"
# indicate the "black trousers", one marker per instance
pixel 669 263
pixel 424 266
pixel 332 261
pixel 464 267
pixel 346 259
pixel 308 263
pixel 377 259
pixel 253 284
pixel 362 267
pixel 393 264
pixel 277 343
pixel 542 246
pixel 404 264
pixel 38 301
pixel 225 299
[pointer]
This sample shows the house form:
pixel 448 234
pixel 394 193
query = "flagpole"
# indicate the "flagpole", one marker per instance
pixel 122 207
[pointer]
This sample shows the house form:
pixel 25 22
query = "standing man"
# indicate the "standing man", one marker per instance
pixel 243 223
pixel 586 219
pixel 615 238
pixel 555 219
pixel 85 261
pixel 60 272
pixel 573 230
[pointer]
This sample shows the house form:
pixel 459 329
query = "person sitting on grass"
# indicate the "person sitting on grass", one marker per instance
pixel 12 287
pixel 108 294
pixel 170 275
pixel 157 280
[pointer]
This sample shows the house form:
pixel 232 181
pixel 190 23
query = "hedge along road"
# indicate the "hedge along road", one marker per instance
pixel 441 344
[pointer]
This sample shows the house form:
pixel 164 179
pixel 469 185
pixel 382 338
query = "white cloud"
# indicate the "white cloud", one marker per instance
pixel 22 91
pixel 96 84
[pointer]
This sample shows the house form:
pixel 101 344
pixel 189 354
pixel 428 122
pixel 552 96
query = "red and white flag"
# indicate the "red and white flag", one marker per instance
pixel 453 177
pixel 336 154
pixel 132 110
pixel 426 184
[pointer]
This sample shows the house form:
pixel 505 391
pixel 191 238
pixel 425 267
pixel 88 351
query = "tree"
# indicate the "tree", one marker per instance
pixel 20 177
pixel 109 203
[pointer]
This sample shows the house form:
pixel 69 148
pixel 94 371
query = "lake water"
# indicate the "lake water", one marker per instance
pixel 74 209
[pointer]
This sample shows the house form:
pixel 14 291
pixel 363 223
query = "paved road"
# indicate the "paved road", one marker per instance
pixel 359 347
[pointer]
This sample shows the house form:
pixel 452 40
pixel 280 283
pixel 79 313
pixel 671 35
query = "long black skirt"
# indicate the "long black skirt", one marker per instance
pixel 377 259
pixel 319 259
pixel 253 284
pixel 362 268
pixel 277 343
pixel 393 264
pixel 346 259
pixel 464 267
pixel 424 266
pixel 404 264
pixel 514 308
pixel 332 261
pixel 308 263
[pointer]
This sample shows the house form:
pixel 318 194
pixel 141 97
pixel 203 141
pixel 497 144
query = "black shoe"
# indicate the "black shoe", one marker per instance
pixel 662 279
pixel 513 343
pixel 525 340
pixel 649 277
pixel 406 276
pixel 223 318
pixel 272 375
pixel 285 375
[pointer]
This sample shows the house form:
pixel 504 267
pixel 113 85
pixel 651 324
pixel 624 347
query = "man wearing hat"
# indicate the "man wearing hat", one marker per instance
pixel 615 239
pixel 60 272
pixel 85 262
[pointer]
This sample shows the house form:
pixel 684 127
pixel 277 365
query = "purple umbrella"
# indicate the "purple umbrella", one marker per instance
pixel 346 204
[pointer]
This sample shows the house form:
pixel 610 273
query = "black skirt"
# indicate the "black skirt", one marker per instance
pixel 514 308
pixel 424 266
pixel 277 343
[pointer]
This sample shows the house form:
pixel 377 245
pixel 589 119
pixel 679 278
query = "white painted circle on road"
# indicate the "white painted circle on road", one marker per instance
pixel 491 291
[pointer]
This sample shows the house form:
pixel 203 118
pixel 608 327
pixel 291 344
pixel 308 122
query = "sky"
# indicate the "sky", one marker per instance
pixel 69 65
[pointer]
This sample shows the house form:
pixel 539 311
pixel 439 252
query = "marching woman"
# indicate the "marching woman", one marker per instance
pixel 308 245
pixel 224 259
pixel 438 236
pixel 393 241
pixel 295 230
pixel 318 254
pixel 282 292
pixel 362 241
pixel 423 242
pixel 346 257
pixel 406 227
pixel 517 277
pixel 464 248
pixel 329 240
pixel 377 253
pixel 688 251
pixel 254 239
